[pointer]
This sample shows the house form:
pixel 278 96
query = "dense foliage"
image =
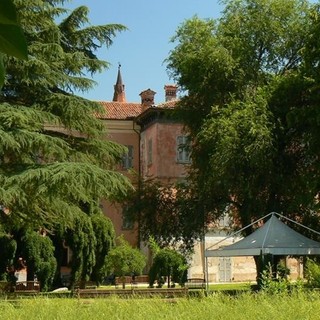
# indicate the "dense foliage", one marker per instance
pixel 312 273
pixel 168 266
pixel 51 139
pixel 53 155
pixel 105 236
pixel 7 255
pixel 251 107
pixel 12 40
pixel 123 260
pixel 166 213
pixel 38 250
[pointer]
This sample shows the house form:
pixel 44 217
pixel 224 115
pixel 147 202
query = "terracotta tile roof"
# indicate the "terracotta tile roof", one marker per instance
pixel 169 104
pixel 127 110
pixel 120 110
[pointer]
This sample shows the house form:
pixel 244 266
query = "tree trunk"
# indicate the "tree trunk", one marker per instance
pixel 264 262
pixel 123 279
pixel 30 272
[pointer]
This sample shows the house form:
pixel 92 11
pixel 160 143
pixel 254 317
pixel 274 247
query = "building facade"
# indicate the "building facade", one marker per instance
pixel 158 148
pixel 155 144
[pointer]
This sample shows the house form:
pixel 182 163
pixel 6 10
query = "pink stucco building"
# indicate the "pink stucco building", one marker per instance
pixel 155 144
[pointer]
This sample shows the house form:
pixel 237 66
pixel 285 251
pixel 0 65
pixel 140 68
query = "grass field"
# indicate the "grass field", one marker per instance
pixel 217 306
pixel 243 286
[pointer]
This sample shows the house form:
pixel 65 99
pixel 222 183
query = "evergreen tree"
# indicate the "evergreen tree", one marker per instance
pixel 11 35
pixel 105 235
pixel 7 255
pixel 82 242
pixel 37 249
pixel 52 152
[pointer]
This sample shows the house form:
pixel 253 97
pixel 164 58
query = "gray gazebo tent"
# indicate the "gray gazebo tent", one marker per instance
pixel 274 238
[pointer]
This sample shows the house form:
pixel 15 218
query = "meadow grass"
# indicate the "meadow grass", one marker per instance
pixel 301 306
pixel 245 286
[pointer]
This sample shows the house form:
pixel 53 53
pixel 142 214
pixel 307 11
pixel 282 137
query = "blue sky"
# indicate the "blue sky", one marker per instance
pixel 142 49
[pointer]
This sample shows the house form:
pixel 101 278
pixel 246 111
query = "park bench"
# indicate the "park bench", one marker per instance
pixel 27 287
pixel 85 285
pixel 90 285
pixel 133 281
pixel 138 280
pixel 196 283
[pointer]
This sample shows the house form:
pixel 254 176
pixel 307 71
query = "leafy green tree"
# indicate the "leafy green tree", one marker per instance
pixel 165 213
pixel 124 260
pixel 168 264
pixel 250 84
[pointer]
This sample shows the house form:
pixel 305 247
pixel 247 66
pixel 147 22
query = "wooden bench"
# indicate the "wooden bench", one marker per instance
pixel 85 285
pixel 90 285
pixel 27 287
pixel 196 283
pixel 133 281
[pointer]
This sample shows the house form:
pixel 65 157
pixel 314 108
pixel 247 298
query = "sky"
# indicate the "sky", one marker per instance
pixel 142 49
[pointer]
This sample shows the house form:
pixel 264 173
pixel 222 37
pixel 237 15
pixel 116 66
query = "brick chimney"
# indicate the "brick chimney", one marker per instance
pixel 147 98
pixel 170 92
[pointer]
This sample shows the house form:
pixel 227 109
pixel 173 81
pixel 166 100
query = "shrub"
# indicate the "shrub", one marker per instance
pixel 170 264
pixel 123 259
pixel 312 273
pixel 282 271
pixel 272 285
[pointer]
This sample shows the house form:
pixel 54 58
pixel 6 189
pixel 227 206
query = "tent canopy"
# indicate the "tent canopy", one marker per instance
pixel 274 237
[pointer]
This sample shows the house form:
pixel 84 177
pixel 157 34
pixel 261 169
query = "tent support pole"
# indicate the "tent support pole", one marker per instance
pixel 207 275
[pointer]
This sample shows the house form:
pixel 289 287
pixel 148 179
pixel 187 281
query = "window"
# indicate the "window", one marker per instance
pixel 149 152
pixel 127 220
pixel 183 149
pixel 127 160
pixel 225 219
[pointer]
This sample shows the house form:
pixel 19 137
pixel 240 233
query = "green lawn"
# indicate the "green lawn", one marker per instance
pixel 218 306
pixel 230 286
pixel 220 286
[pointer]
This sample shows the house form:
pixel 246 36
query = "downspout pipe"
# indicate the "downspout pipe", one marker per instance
pixel 138 132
